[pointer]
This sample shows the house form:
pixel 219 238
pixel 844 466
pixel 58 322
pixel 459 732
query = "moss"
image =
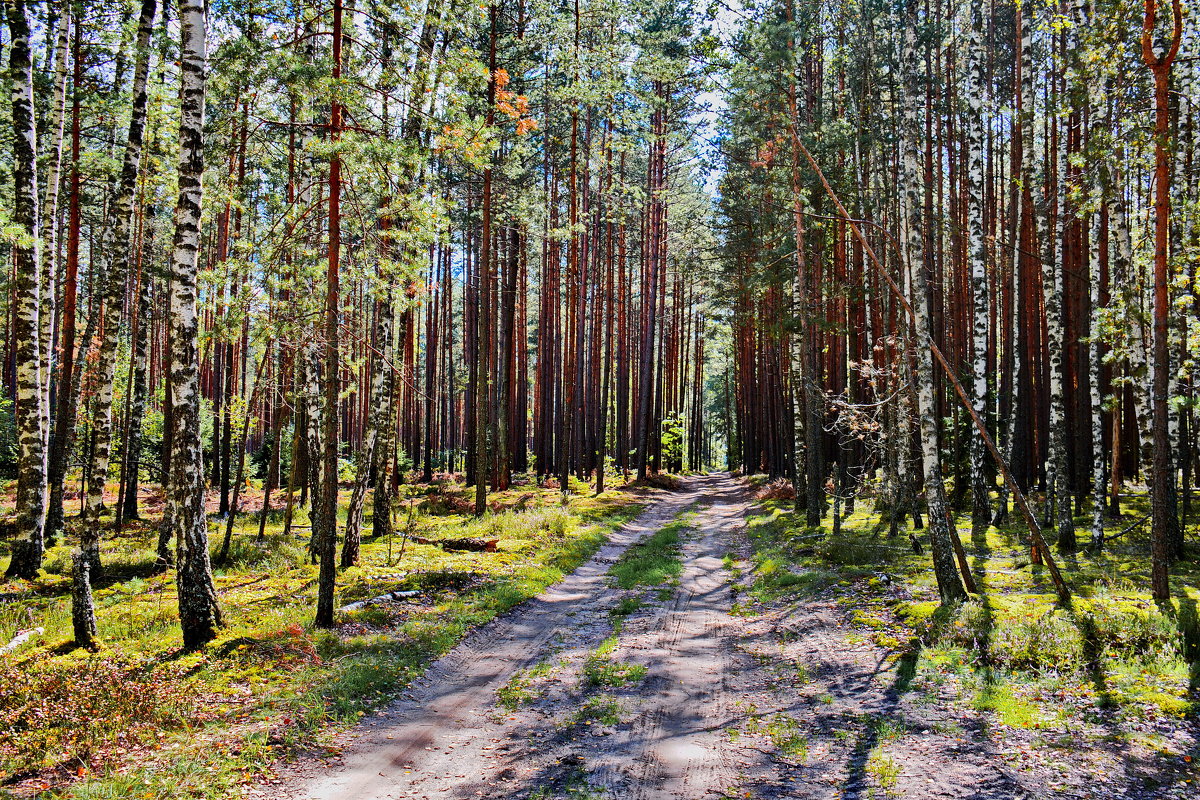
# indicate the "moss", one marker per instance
pixel 1011 709
pixel 269 670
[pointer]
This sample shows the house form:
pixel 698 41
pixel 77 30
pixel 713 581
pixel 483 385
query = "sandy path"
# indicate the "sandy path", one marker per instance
pixel 786 699
pixel 441 739
pixel 677 745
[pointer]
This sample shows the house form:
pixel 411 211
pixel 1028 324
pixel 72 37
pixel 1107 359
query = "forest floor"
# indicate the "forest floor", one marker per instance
pixel 696 643
pixel 707 651
pixel 139 718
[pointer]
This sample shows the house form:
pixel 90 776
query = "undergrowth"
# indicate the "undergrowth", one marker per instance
pixel 141 718
pixel 1012 649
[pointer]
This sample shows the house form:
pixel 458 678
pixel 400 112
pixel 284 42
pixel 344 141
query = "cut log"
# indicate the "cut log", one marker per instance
pixel 468 544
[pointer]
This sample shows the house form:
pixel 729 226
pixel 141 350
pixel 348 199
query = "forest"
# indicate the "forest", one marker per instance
pixel 599 399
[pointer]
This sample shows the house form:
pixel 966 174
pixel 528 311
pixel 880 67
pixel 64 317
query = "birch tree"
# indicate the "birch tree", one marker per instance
pixel 950 586
pixel 199 611
pixel 32 400
pixel 1058 492
pixel 977 252
pixel 118 245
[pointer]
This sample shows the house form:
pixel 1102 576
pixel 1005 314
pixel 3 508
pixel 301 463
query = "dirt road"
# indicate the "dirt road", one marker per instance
pixel 678 691
pixel 449 739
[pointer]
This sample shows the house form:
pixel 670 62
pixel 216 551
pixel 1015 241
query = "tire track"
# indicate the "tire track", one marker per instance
pixel 678 747
pixel 439 739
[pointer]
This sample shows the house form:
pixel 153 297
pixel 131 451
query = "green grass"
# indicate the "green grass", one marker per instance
pixel 600 669
pixel 884 771
pixel 1011 709
pixel 520 688
pixel 574 786
pixel 654 561
pixel 599 708
pixel 627 605
pixel 141 718
pixel 1012 651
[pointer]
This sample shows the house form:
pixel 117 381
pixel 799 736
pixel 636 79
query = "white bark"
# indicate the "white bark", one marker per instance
pixel 1025 123
pixel 911 186
pixel 50 200
pixel 376 422
pixel 977 253
pixel 118 244
pixel 1097 408
pixel 199 613
pixel 1137 336
pixel 32 402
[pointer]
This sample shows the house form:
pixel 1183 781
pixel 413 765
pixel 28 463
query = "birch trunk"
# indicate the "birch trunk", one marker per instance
pixel 311 475
pixel 118 244
pixel 132 455
pixel 977 256
pixel 199 612
pixel 50 200
pixel 368 464
pixel 62 437
pixel 381 497
pixel 1053 265
pixel 1023 137
pixel 950 586
pixel 1094 398
pixel 31 401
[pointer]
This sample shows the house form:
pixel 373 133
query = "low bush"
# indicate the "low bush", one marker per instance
pixel 55 711
pixel 778 489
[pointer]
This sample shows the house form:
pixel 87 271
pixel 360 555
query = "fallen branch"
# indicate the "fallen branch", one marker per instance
pixel 1035 530
pixel 383 598
pixel 20 639
pixel 1140 522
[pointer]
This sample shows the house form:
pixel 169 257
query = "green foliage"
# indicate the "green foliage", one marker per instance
pixel 8 434
pixel 626 606
pixel 599 708
pixel 782 731
pixel 600 669
pixel 672 440
pixel 885 772
pixel 270 684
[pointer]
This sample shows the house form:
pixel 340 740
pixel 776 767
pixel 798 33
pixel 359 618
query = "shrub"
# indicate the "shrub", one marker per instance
pixel 54 711
pixel 778 489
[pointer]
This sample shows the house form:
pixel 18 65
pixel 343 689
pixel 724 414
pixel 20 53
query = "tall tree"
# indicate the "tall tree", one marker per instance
pixel 327 495
pixel 119 242
pixel 912 188
pixel 977 250
pixel 1163 474
pixel 199 611
pixel 32 400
